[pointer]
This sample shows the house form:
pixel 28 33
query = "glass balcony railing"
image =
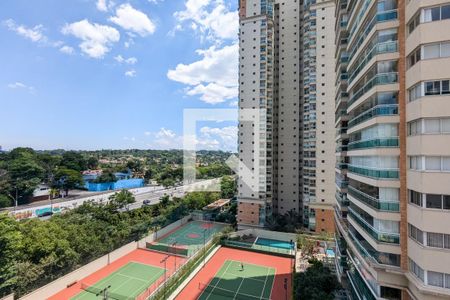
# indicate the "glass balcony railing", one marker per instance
pixel 384 237
pixel 374 172
pixel 343 184
pixel 379 110
pixel 374 143
pixel 359 289
pixel 341 149
pixel 368 252
pixel 342 199
pixel 386 47
pixel 378 79
pixel 380 17
pixel 373 202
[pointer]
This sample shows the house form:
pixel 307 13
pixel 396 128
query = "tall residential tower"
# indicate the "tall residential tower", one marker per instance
pixel 286 102
pixel 393 154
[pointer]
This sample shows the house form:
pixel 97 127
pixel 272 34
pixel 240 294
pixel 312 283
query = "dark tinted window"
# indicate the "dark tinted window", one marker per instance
pixel 434 201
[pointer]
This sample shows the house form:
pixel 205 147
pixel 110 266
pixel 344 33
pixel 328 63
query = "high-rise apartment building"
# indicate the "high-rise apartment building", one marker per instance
pixel 286 102
pixel 393 152
pixel 318 134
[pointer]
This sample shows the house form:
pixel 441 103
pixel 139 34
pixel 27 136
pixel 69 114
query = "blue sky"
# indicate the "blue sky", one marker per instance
pixel 100 74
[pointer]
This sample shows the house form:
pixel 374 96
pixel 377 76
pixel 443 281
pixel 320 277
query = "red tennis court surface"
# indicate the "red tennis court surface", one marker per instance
pixel 147 257
pixel 282 265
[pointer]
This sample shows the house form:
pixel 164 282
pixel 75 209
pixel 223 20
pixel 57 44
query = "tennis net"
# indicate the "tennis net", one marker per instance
pixel 100 292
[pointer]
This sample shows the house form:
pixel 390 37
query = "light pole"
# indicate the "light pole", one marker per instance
pixel 164 260
pixel 175 256
pixel 204 247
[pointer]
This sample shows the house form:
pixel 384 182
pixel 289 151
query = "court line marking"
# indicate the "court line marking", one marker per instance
pixel 239 287
pixel 265 282
pixel 220 278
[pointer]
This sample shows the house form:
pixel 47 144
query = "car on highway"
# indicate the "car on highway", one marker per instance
pixel 146 202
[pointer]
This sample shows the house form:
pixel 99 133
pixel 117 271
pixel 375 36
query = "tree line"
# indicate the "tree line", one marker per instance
pixel 35 252
pixel 23 169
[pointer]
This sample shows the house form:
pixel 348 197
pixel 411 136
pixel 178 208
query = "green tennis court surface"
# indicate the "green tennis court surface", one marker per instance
pixel 233 282
pixel 128 282
pixel 187 239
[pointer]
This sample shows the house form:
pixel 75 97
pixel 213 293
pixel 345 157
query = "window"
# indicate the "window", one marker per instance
pixel 432 126
pixel 433 201
pixel 415 233
pixel 416 270
pixel 435 240
pixel 431 14
pixel 432 88
pixel 446 202
pixel 431 51
pixel 445 12
pixel 445 87
pixel 415 198
pixel 433 163
pixel 435 279
pixel 445 49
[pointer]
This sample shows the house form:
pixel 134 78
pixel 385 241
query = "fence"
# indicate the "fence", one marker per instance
pixel 92 267
pixel 259 248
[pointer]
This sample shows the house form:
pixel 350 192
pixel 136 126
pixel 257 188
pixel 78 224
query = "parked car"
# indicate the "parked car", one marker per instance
pixel 147 202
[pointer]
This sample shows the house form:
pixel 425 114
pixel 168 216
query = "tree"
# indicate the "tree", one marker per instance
pixel 11 245
pixel 121 199
pixel 92 162
pixel 74 161
pixel 228 187
pixel 164 201
pixel 317 283
pixel 106 177
pixel 68 179
pixel 24 175
pixel 5 201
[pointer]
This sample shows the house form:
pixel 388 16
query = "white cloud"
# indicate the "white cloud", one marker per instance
pixel 66 50
pixel 212 93
pixel 212 19
pixel 101 5
pixel 34 34
pixel 19 85
pixel 130 73
pixel 214 77
pixel 165 133
pixel 209 138
pixel 130 61
pixel 96 39
pixel 234 103
pixel 227 135
pixel 133 20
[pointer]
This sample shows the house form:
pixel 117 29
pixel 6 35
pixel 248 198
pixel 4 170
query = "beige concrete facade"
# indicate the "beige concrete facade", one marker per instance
pixel 398 148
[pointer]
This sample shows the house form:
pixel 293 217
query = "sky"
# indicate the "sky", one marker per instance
pixel 116 74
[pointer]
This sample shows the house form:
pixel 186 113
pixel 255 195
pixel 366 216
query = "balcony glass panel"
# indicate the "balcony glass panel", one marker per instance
pixel 374 202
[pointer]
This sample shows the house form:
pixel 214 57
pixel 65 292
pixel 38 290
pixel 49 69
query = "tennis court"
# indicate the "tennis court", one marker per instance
pixel 128 282
pixel 236 280
pixel 187 239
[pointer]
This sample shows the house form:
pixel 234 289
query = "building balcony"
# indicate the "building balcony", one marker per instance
pixel 369 253
pixel 378 79
pixel 383 237
pixel 379 110
pixel 390 206
pixel 342 199
pixel 374 172
pixel 380 17
pixel 380 48
pixel 391 142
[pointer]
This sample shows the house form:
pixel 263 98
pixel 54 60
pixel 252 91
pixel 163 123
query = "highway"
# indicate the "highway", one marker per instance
pixel 44 209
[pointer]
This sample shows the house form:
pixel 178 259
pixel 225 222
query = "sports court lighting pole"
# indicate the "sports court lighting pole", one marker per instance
pixel 175 256
pixel 164 260
pixel 204 247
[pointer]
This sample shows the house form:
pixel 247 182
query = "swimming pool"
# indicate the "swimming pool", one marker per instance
pixel 274 243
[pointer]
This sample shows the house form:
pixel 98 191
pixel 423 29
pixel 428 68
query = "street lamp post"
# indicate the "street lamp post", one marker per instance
pixel 175 256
